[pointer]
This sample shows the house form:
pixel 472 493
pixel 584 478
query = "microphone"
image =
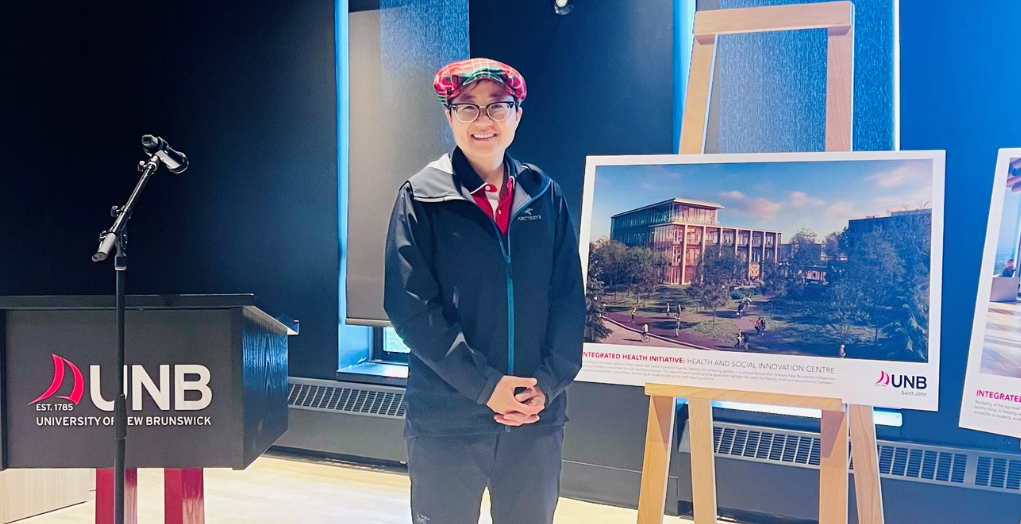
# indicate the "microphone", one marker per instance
pixel 175 161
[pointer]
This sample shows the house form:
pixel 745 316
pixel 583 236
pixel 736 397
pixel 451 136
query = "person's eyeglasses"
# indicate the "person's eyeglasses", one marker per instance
pixel 497 111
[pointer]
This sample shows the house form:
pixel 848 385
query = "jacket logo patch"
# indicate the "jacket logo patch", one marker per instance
pixel 528 214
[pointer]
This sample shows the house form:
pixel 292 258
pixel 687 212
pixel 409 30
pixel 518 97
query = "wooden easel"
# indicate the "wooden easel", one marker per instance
pixel 838 19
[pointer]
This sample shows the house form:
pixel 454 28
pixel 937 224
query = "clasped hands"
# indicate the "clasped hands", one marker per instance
pixel 517 409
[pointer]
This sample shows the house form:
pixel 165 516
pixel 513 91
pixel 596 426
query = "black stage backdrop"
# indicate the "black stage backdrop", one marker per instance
pixel 246 89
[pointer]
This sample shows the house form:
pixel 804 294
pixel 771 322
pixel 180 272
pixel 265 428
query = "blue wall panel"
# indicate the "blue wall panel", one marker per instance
pixel 960 78
pixel 772 86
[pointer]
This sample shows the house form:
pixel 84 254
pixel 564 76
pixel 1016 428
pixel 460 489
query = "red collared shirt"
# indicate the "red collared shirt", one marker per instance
pixel 496 204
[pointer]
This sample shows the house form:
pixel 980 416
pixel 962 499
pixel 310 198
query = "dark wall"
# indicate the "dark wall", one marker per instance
pixel 247 90
pixel 600 80
pixel 960 72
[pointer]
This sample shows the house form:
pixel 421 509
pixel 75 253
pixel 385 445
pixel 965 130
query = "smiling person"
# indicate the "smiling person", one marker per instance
pixel 483 284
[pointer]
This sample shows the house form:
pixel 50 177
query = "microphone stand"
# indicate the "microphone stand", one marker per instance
pixel 117 236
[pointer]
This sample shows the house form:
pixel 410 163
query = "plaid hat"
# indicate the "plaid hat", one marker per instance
pixel 454 77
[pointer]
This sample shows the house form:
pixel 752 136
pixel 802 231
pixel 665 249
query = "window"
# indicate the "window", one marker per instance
pixel 692 256
pixel 387 346
pixel 393 343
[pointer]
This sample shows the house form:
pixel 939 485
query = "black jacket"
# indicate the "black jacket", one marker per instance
pixel 473 304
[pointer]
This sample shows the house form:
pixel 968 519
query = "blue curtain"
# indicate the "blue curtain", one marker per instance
pixel 770 88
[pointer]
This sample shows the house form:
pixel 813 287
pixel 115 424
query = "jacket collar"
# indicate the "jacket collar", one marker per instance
pixel 451 177
pixel 466 174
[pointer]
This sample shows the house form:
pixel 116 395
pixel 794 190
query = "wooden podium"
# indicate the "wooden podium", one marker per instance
pixel 206 382
pixel 838 19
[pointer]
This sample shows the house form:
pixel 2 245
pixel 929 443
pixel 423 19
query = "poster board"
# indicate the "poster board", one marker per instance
pixel 694 209
pixel 992 385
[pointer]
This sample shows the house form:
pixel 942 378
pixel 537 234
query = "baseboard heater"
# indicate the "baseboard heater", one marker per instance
pixel 764 475
pixel 345 419
pixel 771 476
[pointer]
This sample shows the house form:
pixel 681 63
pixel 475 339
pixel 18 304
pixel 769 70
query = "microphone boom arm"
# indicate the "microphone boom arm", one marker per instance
pixel 108 239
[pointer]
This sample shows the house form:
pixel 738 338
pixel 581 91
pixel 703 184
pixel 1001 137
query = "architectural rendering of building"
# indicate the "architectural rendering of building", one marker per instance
pixel 898 219
pixel 681 229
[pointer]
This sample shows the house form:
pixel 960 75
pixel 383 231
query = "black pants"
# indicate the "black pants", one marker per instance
pixel 521 469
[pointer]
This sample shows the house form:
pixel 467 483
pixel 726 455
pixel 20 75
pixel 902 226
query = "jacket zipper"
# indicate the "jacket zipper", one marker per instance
pixel 505 249
pixel 510 283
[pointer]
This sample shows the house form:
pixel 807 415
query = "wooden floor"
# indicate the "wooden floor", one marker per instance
pixel 283 490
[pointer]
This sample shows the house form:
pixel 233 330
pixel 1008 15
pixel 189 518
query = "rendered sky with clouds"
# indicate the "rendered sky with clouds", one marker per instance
pixel 779 196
